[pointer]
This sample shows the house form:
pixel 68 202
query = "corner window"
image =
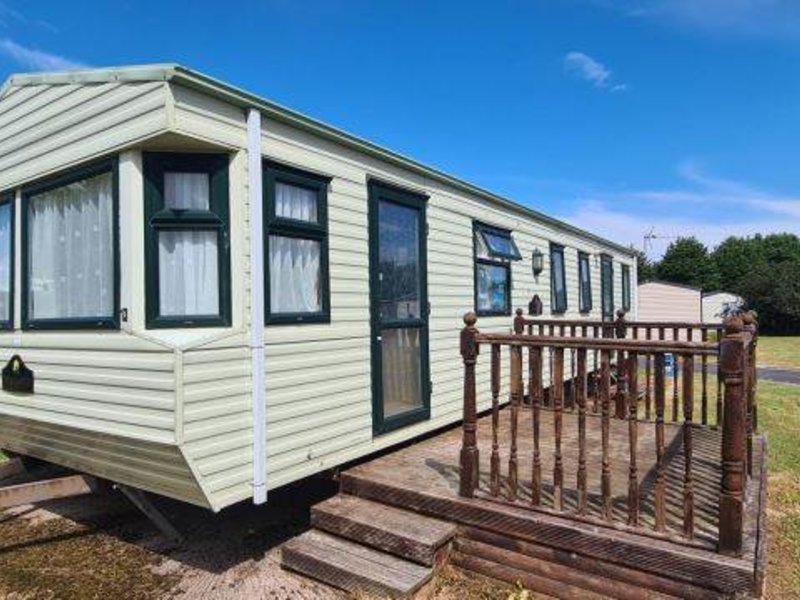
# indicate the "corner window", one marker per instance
pixel 494 251
pixel 187 251
pixel 626 288
pixel 584 283
pixel 558 279
pixel 69 250
pixel 7 261
pixel 296 246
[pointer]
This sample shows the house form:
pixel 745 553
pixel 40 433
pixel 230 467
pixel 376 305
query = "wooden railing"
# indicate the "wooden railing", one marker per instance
pixel 606 359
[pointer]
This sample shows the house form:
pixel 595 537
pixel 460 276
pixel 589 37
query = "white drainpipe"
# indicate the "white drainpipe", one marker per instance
pixel 257 306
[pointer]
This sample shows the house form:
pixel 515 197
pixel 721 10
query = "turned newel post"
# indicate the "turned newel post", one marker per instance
pixel 469 444
pixel 731 501
pixel 519 322
pixel 620 331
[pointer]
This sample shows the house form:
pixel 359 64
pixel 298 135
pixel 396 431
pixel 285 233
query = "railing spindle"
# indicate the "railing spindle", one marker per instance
pixel 704 390
pixel 647 383
pixel 605 402
pixel 494 477
pixel 583 497
pixel 675 370
pixel 537 392
pixel 516 398
pixel 633 437
pixel 558 424
pixel 660 487
pixel 688 411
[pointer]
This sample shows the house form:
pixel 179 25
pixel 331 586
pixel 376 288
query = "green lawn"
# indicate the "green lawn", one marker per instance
pixel 779 416
pixel 779 351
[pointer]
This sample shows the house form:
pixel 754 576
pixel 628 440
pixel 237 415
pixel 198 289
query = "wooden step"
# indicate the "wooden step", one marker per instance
pixel 352 567
pixel 400 532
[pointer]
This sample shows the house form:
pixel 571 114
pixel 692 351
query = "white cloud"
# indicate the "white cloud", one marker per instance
pixel 591 70
pixel 36 60
pixel 768 18
pixel 708 208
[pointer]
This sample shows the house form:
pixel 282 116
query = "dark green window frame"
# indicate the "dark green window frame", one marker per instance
pixel 109 165
pixel 584 292
pixel 558 302
pixel 626 287
pixel 502 261
pixel 158 218
pixel 8 198
pixel 285 227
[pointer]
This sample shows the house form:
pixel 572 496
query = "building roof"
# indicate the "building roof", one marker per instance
pixel 187 77
pixel 672 284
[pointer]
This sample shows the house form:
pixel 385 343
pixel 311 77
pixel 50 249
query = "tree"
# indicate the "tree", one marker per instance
pixel 645 268
pixel 687 261
pixel 774 293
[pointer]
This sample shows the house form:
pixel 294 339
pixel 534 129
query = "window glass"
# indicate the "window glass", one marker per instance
pixel 295 202
pixel 492 293
pixel 188 273
pixel 183 191
pixel 585 282
pixel 626 288
pixel 402 383
pixel 71 251
pixel 607 287
pixel 6 267
pixel 558 279
pixel 501 244
pixel 399 261
pixel 295 275
pixel 297 246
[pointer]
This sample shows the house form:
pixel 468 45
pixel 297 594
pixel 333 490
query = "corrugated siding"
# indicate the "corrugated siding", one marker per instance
pixel 217 429
pixel 662 302
pixel 151 466
pixel 47 128
pixel 318 376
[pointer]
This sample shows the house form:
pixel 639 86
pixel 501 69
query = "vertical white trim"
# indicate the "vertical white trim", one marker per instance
pixel 257 306
pixel 16 273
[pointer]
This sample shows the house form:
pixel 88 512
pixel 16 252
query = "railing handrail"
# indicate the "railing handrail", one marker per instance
pixel 628 324
pixel 632 345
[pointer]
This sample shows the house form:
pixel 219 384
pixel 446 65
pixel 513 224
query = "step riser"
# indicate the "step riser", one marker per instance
pixel 570 563
pixel 649 556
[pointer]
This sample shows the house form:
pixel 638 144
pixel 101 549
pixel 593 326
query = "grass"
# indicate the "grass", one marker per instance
pixel 779 416
pixel 776 351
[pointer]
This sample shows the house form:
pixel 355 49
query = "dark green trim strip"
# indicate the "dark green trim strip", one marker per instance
pixel 273 173
pixel 379 192
pixel 8 198
pixel 158 218
pixel 109 165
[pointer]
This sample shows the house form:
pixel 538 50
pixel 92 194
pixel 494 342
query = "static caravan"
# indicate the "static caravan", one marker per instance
pixel 716 303
pixel 667 301
pixel 217 296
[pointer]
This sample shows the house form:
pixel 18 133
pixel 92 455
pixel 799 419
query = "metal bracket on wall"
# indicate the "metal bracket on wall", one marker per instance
pixel 140 500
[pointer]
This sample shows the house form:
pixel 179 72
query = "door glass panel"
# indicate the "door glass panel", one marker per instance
pixel 398 275
pixel 402 377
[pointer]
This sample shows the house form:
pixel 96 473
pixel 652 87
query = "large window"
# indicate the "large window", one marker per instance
pixel 7 261
pixel 558 279
pixel 626 288
pixel 187 257
pixel 296 246
pixel 494 251
pixel 70 254
pixel 584 283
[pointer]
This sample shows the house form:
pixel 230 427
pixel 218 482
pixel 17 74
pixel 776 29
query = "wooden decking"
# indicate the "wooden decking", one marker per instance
pixel 513 537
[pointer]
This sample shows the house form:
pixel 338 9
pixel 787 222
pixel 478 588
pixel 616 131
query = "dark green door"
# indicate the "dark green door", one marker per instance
pixel 399 308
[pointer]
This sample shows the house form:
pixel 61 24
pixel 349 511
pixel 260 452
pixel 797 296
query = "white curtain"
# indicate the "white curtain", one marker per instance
pixel 292 202
pixel 294 275
pixel 70 245
pixel 5 262
pixel 186 190
pixel 188 273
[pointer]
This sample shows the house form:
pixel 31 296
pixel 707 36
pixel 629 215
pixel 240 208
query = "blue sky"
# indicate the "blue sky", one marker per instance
pixel 617 116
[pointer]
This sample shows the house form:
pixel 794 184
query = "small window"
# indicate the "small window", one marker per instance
pixel 558 279
pixel 6 261
pixel 187 259
pixel 70 255
pixel 494 249
pixel 626 288
pixel 584 283
pixel 607 287
pixel 296 230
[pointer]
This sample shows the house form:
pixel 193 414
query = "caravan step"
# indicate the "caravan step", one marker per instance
pixel 400 532
pixel 352 567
